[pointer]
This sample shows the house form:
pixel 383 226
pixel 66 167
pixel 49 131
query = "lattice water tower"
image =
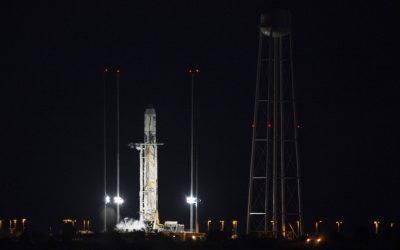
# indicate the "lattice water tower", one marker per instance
pixel 274 201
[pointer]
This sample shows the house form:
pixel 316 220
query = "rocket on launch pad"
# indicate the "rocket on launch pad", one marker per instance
pixel 148 194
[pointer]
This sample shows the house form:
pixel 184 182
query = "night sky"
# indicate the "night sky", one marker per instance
pixel 52 60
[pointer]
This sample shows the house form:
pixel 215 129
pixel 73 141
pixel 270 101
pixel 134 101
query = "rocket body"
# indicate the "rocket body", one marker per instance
pixel 148 195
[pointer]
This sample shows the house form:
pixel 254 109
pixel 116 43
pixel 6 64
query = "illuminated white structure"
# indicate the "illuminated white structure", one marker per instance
pixel 148 193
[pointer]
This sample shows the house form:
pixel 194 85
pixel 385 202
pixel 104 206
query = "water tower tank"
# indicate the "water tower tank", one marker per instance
pixel 276 23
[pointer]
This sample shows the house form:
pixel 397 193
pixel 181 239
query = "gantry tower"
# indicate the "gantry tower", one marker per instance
pixel 274 199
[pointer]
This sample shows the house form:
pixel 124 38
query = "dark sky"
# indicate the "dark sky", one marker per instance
pixel 52 61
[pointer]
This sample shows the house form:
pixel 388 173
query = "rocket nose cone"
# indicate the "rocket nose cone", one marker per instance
pixel 150 110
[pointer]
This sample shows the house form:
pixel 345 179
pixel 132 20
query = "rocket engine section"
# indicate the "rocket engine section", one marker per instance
pixel 148 194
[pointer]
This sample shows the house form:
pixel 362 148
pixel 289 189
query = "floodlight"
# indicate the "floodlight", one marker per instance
pixel 118 200
pixel 191 200
pixel 107 199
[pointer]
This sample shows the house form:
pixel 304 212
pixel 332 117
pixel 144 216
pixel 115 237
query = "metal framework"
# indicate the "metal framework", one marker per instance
pixel 274 198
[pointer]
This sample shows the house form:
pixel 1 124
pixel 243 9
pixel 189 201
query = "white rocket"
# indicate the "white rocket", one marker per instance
pixel 148 194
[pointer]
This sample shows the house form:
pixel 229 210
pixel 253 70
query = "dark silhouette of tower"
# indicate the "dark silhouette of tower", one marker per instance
pixel 274 201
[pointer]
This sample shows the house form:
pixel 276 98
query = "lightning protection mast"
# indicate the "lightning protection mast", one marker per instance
pixel 117 199
pixel 106 197
pixel 274 198
pixel 193 199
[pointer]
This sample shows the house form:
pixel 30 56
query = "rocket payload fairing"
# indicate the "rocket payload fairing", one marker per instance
pixel 148 194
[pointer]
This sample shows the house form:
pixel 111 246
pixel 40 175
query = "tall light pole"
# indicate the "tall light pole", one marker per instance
pixel 106 197
pixel 196 158
pixel 192 155
pixel 193 200
pixel 118 200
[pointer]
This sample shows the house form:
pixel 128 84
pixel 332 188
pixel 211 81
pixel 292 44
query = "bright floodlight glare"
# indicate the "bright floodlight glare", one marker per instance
pixel 107 199
pixel 118 200
pixel 191 200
